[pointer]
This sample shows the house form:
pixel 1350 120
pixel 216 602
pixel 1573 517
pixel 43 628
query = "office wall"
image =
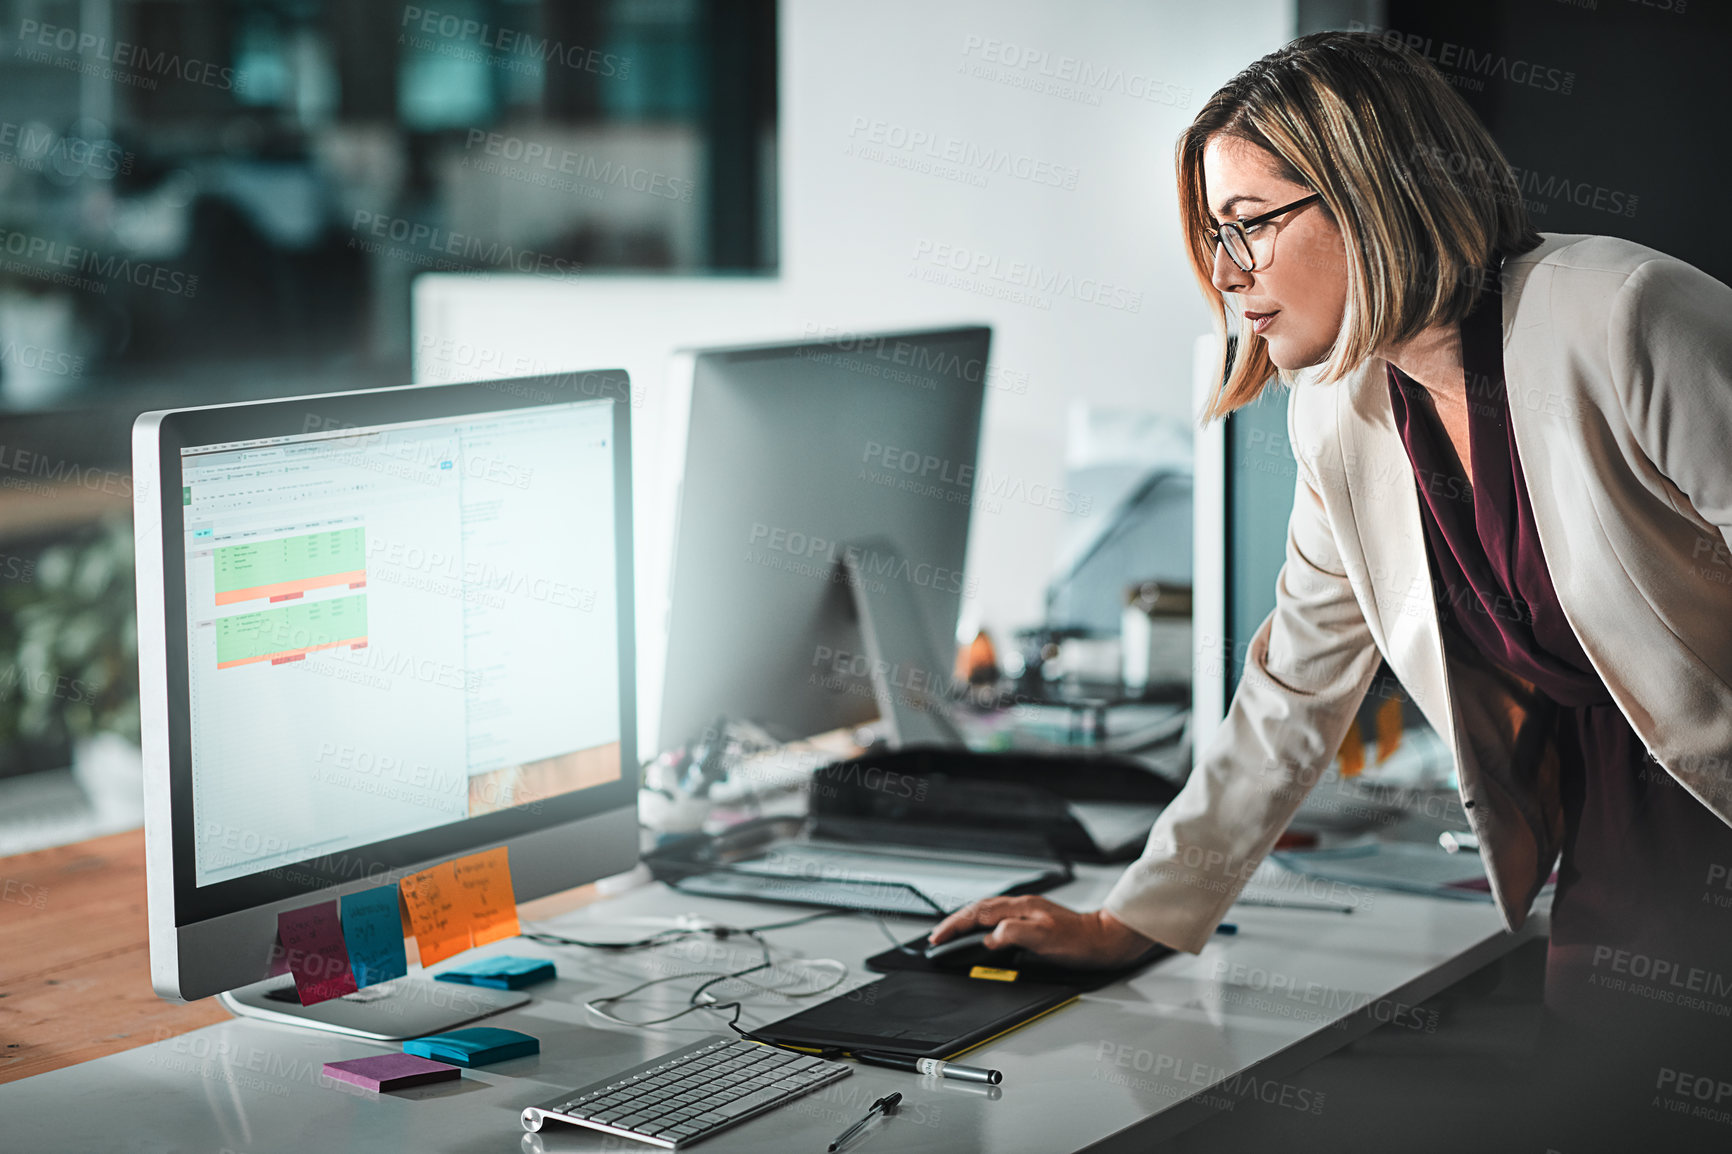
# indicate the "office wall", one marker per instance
pixel 1616 130
pixel 1005 162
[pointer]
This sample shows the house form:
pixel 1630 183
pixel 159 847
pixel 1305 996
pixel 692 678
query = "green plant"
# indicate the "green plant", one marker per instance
pixel 70 641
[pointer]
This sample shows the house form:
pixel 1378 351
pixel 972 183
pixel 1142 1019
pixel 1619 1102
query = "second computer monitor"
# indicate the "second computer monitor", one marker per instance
pixel 822 480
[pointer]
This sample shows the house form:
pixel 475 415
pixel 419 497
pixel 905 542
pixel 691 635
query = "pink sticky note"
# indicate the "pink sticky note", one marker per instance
pixel 383 1072
pixel 312 939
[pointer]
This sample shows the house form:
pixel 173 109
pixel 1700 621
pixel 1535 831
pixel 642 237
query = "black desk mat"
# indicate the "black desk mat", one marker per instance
pixel 1027 966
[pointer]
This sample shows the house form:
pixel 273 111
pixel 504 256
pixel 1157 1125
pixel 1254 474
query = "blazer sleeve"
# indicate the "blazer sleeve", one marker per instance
pixel 1671 358
pixel 1307 669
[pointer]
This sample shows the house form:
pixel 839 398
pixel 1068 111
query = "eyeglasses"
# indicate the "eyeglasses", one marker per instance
pixel 1235 234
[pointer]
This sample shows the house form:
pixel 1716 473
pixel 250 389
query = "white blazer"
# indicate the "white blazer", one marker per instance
pixel 1618 370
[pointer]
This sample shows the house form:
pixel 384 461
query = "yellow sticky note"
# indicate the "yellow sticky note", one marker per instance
pixel 488 900
pixel 438 913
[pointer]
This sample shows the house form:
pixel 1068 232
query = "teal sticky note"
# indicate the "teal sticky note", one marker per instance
pixel 374 934
pixel 476 1046
pixel 501 973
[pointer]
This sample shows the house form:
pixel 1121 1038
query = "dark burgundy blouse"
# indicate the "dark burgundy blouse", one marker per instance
pixel 1639 929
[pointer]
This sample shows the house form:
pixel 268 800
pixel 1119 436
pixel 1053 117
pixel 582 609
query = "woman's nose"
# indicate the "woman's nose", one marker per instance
pixel 1227 276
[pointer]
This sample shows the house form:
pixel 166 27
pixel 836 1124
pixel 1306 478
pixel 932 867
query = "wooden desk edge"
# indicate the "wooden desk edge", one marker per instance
pixel 75 956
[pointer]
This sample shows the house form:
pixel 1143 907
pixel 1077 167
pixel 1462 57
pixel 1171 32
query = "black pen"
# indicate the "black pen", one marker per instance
pixel 932 1066
pixel 885 1105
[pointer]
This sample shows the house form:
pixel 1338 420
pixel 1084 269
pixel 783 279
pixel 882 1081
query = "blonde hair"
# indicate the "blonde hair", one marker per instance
pixel 1424 199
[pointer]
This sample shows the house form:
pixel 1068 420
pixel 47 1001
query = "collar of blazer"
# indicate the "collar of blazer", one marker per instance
pixel 1625 547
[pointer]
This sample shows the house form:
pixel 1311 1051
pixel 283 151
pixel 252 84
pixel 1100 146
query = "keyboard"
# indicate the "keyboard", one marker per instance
pixel 684 1097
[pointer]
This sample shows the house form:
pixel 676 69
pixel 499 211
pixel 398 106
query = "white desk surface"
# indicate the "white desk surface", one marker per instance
pixel 1120 1069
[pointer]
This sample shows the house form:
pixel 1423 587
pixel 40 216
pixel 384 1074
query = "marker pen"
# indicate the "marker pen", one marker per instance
pixel 932 1066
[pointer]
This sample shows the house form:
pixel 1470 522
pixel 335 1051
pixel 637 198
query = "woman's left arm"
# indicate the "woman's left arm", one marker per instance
pixel 1671 357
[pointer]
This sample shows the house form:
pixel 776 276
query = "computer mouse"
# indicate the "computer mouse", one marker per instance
pixel 955 945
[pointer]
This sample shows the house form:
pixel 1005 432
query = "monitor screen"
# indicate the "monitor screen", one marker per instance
pixel 396 627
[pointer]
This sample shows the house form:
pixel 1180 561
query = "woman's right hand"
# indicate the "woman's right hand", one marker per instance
pixel 1095 939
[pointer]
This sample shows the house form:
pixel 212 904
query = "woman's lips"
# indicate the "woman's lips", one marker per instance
pixel 1261 321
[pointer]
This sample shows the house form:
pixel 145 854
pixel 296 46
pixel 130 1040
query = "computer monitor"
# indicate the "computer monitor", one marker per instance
pixel 377 631
pixel 1244 495
pixel 1245 478
pixel 822 526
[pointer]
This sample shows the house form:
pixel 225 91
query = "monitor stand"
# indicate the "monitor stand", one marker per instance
pixel 388 1012
pixel 907 679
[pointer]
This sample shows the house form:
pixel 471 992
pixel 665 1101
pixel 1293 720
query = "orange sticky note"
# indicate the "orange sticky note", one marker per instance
pixel 437 914
pixel 1388 728
pixel 485 879
pixel 1352 751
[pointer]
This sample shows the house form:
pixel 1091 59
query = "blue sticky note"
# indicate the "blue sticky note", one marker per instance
pixel 476 1046
pixel 501 973
pixel 374 934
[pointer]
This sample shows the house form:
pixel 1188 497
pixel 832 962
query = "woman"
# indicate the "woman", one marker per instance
pixel 1514 486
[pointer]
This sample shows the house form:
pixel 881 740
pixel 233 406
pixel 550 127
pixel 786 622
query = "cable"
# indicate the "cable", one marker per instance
pixel 674 934
pixel 594 1005
pixel 782 991
pixel 733 1023
pixel 700 998
pixel 664 938
pixel 677 934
